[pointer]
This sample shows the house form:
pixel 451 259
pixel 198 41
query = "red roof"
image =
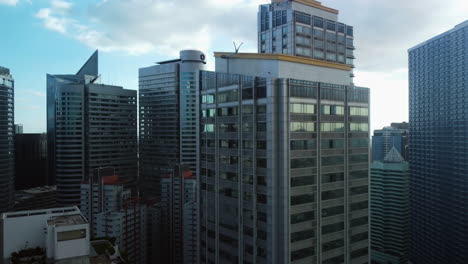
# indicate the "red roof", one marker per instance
pixel 113 180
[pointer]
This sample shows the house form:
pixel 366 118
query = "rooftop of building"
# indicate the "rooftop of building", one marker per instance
pixel 456 28
pixel 393 156
pixel 63 210
pixel 4 71
pixel 110 180
pixel 66 220
pixel 311 3
pixel 283 57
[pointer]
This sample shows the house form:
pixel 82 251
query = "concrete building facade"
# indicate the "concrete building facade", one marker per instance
pixel 284 162
pixel 305 28
pixel 89 125
pixel 62 232
pixel 7 158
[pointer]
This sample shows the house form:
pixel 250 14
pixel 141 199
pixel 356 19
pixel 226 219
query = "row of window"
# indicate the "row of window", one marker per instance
pixel 328 161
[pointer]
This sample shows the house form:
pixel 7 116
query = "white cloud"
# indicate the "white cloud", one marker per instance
pixel 156 26
pixel 56 17
pixel 9 2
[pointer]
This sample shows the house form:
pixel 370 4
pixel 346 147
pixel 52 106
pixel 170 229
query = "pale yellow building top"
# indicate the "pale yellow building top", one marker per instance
pixel 288 58
pixel 311 3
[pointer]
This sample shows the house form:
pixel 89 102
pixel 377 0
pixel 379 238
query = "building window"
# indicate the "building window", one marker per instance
pixel 302 235
pixel 331 211
pixel 332 143
pixel 302 163
pixel 358 111
pixel 303 199
pixel 333 177
pixel 71 235
pixel 359 127
pixel 303 144
pixel 332 110
pixel 334 194
pixel 303 108
pixel 332 228
pixel 302 217
pixel 303 181
pixel 302 126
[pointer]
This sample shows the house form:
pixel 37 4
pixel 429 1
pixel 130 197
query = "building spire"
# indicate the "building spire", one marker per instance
pixel 91 66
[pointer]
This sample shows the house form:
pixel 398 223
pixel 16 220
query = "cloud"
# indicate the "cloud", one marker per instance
pixel 9 2
pixel 155 26
pixel 56 17
pixel 385 29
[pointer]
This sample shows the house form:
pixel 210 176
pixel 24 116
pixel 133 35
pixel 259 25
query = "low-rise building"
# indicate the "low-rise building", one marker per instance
pixel 59 234
pixel 36 198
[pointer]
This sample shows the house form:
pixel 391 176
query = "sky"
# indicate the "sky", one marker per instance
pixel 58 36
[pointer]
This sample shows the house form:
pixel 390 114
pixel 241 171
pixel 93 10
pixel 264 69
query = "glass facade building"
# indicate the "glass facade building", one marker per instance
pixel 169 112
pixel 89 126
pixel 7 155
pixel 169 138
pixel 283 171
pixel 438 90
pixel 390 209
pixel 387 138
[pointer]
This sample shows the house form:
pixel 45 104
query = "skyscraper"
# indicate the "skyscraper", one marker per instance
pixel 168 118
pixel 7 155
pixel 284 162
pixel 305 28
pixel 89 125
pixel 438 92
pixel 30 161
pixel 390 209
pixel 394 136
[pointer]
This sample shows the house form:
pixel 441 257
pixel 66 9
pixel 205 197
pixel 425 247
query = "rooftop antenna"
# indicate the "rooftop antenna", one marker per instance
pixel 237 48
pixel 236 51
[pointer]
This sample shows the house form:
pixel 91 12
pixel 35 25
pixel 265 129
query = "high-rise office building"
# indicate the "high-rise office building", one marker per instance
pixel 168 118
pixel 30 161
pixel 394 136
pixel 390 209
pixel 89 125
pixel 284 162
pixel 438 92
pixel 7 154
pixel 305 28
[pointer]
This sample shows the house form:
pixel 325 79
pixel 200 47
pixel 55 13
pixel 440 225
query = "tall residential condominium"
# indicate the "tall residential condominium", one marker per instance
pixel 438 92
pixel 394 136
pixel 179 217
pixel 30 161
pixel 89 125
pixel 390 209
pixel 111 212
pixel 169 110
pixel 7 156
pixel 283 162
pixel 304 28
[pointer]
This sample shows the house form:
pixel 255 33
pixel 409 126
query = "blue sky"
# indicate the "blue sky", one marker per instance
pixel 57 36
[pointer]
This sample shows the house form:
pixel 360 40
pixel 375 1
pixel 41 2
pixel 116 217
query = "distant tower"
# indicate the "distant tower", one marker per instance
pixel 383 140
pixel 7 157
pixel 390 209
pixel 168 118
pixel 89 125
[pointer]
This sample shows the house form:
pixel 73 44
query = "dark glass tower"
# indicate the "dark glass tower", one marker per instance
pixel 6 140
pixel 89 125
pixel 438 92
pixel 30 161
